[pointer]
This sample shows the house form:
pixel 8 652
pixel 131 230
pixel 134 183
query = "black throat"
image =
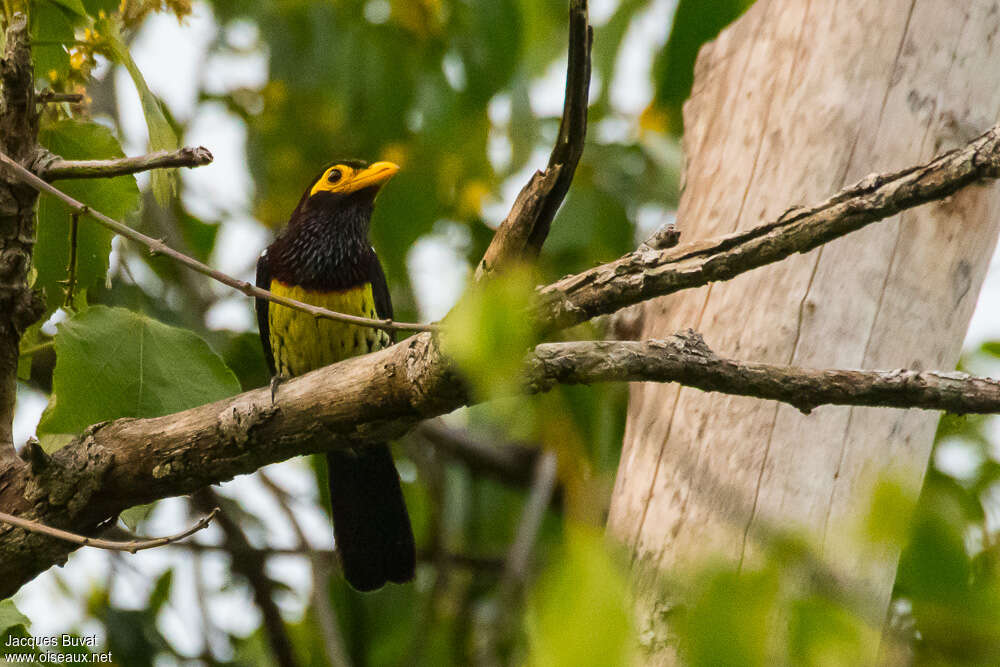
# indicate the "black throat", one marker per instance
pixel 325 245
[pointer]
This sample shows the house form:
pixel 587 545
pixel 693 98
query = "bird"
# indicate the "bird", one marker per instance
pixel 323 257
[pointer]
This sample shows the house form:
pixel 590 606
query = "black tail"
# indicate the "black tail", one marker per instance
pixel 370 522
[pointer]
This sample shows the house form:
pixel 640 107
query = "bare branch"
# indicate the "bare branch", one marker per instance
pixel 648 273
pixel 523 231
pixel 49 96
pixel 131 546
pixel 377 397
pixel 509 462
pixel 686 359
pixel 57 168
pixel 158 247
pixel 250 563
pixel 497 618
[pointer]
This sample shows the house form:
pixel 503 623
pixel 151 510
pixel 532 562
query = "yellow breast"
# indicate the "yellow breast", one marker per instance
pixel 301 343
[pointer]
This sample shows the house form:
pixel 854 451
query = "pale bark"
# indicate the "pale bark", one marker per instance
pixel 794 100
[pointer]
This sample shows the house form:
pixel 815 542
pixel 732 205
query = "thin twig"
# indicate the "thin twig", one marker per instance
pixel 521 235
pixel 34 349
pixel 74 224
pixel 158 247
pixel 188 156
pixel 253 566
pixel 131 546
pixel 49 96
pixel 496 619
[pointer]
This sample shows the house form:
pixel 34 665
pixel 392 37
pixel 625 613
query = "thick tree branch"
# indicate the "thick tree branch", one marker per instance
pixel 53 167
pixel 648 273
pixel 115 465
pixel 158 247
pixel 522 233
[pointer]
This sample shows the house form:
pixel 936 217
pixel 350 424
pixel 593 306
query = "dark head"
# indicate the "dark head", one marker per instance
pixel 343 186
pixel 328 230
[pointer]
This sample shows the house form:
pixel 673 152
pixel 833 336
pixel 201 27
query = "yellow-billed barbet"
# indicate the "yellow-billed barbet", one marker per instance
pixel 323 257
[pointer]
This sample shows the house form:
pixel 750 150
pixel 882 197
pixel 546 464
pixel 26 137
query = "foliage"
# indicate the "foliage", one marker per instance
pixel 450 90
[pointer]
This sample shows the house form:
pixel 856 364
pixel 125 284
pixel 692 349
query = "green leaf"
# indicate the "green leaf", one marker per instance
pixel 161 135
pixel 161 591
pixel 114 363
pixel 51 27
pixel 133 516
pixel 579 614
pixel 488 334
pixel 730 619
pixel 695 22
pixel 115 197
pixel 11 617
pixel 75 6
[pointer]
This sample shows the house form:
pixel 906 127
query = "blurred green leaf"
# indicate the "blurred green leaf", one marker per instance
pixel 114 363
pixel 75 6
pixel 51 27
pixel 133 516
pixel 891 514
pixel 729 620
pixel 161 591
pixel 488 334
pixel 823 633
pixel 579 613
pixel 115 197
pixel 11 616
pixel 161 135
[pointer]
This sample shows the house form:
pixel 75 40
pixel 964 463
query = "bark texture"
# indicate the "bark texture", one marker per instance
pixel 20 306
pixel 794 100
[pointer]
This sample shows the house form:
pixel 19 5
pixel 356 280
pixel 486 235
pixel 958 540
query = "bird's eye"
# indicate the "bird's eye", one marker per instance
pixel 334 176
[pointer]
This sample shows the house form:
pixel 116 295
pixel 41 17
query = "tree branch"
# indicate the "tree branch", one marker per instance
pixel 20 305
pixel 647 273
pixel 130 546
pixel 158 247
pixel 377 397
pixel 686 359
pixel 521 235
pixel 54 167
pixel 250 563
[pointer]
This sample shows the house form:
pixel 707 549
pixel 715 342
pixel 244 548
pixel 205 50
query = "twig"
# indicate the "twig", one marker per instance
pixel 510 463
pixel 497 619
pixel 251 564
pixel 28 351
pixel 131 546
pixel 158 247
pixel 646 273
pixel 188 156
pixel 49 96
pixel 74 224
pixel 523 231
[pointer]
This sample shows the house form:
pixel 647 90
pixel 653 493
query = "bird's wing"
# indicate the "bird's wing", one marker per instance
pixel 380 292
pixel 264 282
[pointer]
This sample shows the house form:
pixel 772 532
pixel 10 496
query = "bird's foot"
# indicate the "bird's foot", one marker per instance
pixel 275 383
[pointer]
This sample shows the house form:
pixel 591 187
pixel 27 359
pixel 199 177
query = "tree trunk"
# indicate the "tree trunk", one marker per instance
pixel 790 104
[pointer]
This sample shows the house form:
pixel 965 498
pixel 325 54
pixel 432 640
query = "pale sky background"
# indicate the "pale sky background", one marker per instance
pixel 224 190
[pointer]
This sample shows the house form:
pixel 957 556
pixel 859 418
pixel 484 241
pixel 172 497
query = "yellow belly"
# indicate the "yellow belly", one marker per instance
pixel 301 343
